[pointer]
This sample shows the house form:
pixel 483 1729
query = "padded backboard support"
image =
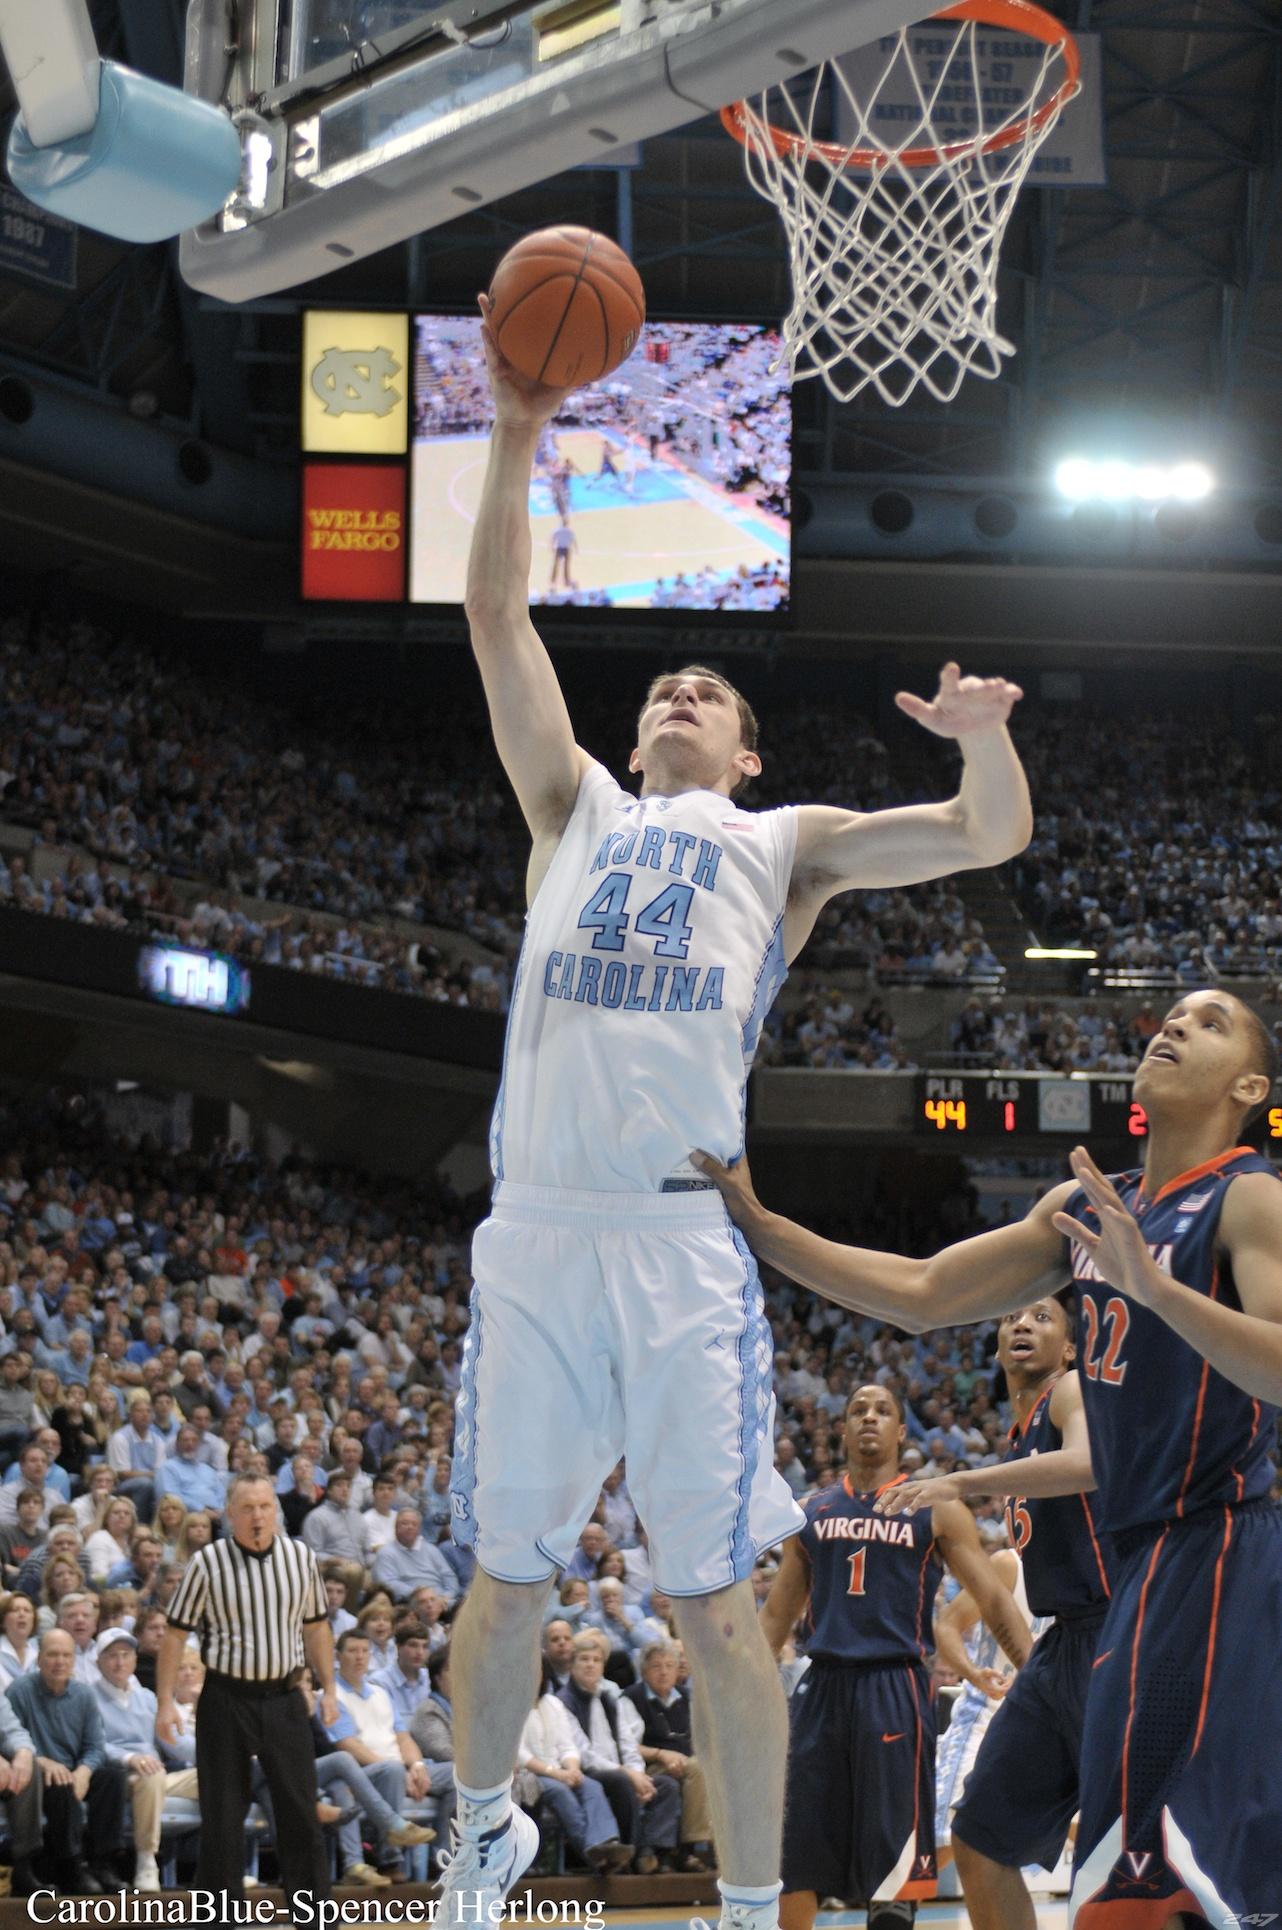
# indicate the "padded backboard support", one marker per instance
pixel 450 107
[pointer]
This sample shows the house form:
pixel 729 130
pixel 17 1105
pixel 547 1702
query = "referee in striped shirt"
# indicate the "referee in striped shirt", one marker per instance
pixel 256 1603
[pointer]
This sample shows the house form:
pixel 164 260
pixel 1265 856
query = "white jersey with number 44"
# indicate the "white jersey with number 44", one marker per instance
pixel 653 951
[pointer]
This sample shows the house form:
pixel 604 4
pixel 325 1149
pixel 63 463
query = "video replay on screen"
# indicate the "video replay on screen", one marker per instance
pixel 664 487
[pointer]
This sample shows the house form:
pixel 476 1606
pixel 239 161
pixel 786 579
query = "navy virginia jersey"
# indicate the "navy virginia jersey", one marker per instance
pixel 1169 1435
pixel 872 1579
pixel 1066 1554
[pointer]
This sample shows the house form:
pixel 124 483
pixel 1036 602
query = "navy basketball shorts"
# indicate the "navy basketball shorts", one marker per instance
pixel 606 1324
pixel 1023 1791
pixel 1181 1755
pixel 859 1809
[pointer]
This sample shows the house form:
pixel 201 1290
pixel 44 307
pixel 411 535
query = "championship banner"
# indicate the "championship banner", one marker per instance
pixel 1072 156
pixel 356 383
pixel 353 534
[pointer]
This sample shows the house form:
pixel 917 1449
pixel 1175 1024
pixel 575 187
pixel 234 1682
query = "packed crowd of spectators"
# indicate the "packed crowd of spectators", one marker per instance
pixel 832 1029
pixel 1157 847
pixel 153 778
pixel 1040 1035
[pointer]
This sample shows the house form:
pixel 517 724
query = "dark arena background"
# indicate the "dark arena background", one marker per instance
pixel 262 877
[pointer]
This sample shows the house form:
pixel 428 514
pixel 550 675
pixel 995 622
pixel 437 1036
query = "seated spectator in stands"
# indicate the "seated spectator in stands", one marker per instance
pixel 617 1622
pixel 197 1533
pixel 436 1497
pixel 573 1602
pixel 87 1507
pixel 111 1541
pixel 547 1753
pixel 366 1730
pixel 350 1458
pixel 788 1463
pixel 637 1577
pixel 78 1616
pixel 620 1521
pixel 340 1616
pixel 406 1681
pixel 378 1521
pixel 666 1745
pixel 377 1620
pixel 582 1565
pixel 19 1541
pixel 657 1626
pixel 427 1605
pixel 605 1731
pixel 31 1470
pixel 75 1426
pixel 168 1524
pixel 21 1794
pixel 63 1576
pixel 408 1561
pixel 167 1417
pixel 195 1483
pixel 334 1531
pixel 137 1453
pixel 128 1712
pixel 51 1441
pixel 301 1487
pixel 142 1566
pixel 17 1637
pixel 16 1403
pixel 63 1538
pixel 432 1731
pixel 558 1652
pixel 84 1790
pixel 149 1629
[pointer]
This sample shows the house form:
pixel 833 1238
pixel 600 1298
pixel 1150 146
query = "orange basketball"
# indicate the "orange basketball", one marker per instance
pixel 568 306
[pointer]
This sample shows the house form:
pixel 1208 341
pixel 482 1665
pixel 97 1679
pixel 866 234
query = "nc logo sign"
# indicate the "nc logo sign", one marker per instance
pixel 356 381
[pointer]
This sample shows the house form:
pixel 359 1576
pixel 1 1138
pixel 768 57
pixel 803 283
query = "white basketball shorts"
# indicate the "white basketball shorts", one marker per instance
pixel 608 1324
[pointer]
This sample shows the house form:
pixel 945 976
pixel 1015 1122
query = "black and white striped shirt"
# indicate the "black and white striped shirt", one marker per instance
pixel 248 1610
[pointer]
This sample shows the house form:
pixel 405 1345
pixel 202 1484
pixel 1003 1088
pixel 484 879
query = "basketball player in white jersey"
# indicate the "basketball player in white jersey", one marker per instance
pixel 616 1311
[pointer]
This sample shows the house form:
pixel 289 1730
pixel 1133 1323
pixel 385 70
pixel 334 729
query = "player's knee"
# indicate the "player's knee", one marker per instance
pixel 495 1609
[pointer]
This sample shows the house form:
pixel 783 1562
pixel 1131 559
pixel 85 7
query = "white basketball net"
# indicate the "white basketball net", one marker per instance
pixel 894 266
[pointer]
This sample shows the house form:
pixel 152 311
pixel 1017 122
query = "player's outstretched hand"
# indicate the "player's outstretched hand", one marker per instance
pixel 962 704
pixel 1118 1249
pixel 909 1497
pixel 735 1184
pixel 516 398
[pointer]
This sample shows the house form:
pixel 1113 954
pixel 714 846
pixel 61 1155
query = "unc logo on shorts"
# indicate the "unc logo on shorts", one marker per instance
pixel 356 381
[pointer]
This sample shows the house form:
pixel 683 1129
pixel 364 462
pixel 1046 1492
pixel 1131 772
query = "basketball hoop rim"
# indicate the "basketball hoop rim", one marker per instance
pixel 1011 16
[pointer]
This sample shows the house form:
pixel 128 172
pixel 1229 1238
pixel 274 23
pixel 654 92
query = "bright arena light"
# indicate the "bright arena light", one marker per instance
pixel 1108 479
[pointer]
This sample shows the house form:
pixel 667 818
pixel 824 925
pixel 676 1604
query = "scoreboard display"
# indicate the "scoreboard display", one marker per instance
pixel 991 1105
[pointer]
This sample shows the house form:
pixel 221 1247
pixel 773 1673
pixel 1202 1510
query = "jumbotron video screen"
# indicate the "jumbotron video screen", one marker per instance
pixel 666 486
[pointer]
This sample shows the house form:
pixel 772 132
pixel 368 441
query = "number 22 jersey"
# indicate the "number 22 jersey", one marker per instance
pixel 653 951
pixel 1169 1436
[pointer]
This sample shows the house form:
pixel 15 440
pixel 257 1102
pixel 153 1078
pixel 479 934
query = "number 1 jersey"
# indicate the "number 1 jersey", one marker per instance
pixel 873 1578
pixel 652 953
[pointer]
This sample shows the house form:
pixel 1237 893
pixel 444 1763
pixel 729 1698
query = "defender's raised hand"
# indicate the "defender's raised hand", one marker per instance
pixel 1118 1249
pixel 962 704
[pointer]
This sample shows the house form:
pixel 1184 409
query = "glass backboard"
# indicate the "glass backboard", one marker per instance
pixel 366 121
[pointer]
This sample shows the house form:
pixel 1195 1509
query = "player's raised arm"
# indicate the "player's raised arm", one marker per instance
pixel 532 729
pixel 989 820
pixel 1039 1477
pixel 977 1279
pixel 1246 1346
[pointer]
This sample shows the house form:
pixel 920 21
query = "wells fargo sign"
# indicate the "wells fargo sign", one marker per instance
pixel 353 533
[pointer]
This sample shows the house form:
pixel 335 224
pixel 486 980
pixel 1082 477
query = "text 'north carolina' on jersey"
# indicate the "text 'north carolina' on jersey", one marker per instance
pixel 872 1578
pixel 1066 1556
pixel 1169 1435
pixel 652 953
